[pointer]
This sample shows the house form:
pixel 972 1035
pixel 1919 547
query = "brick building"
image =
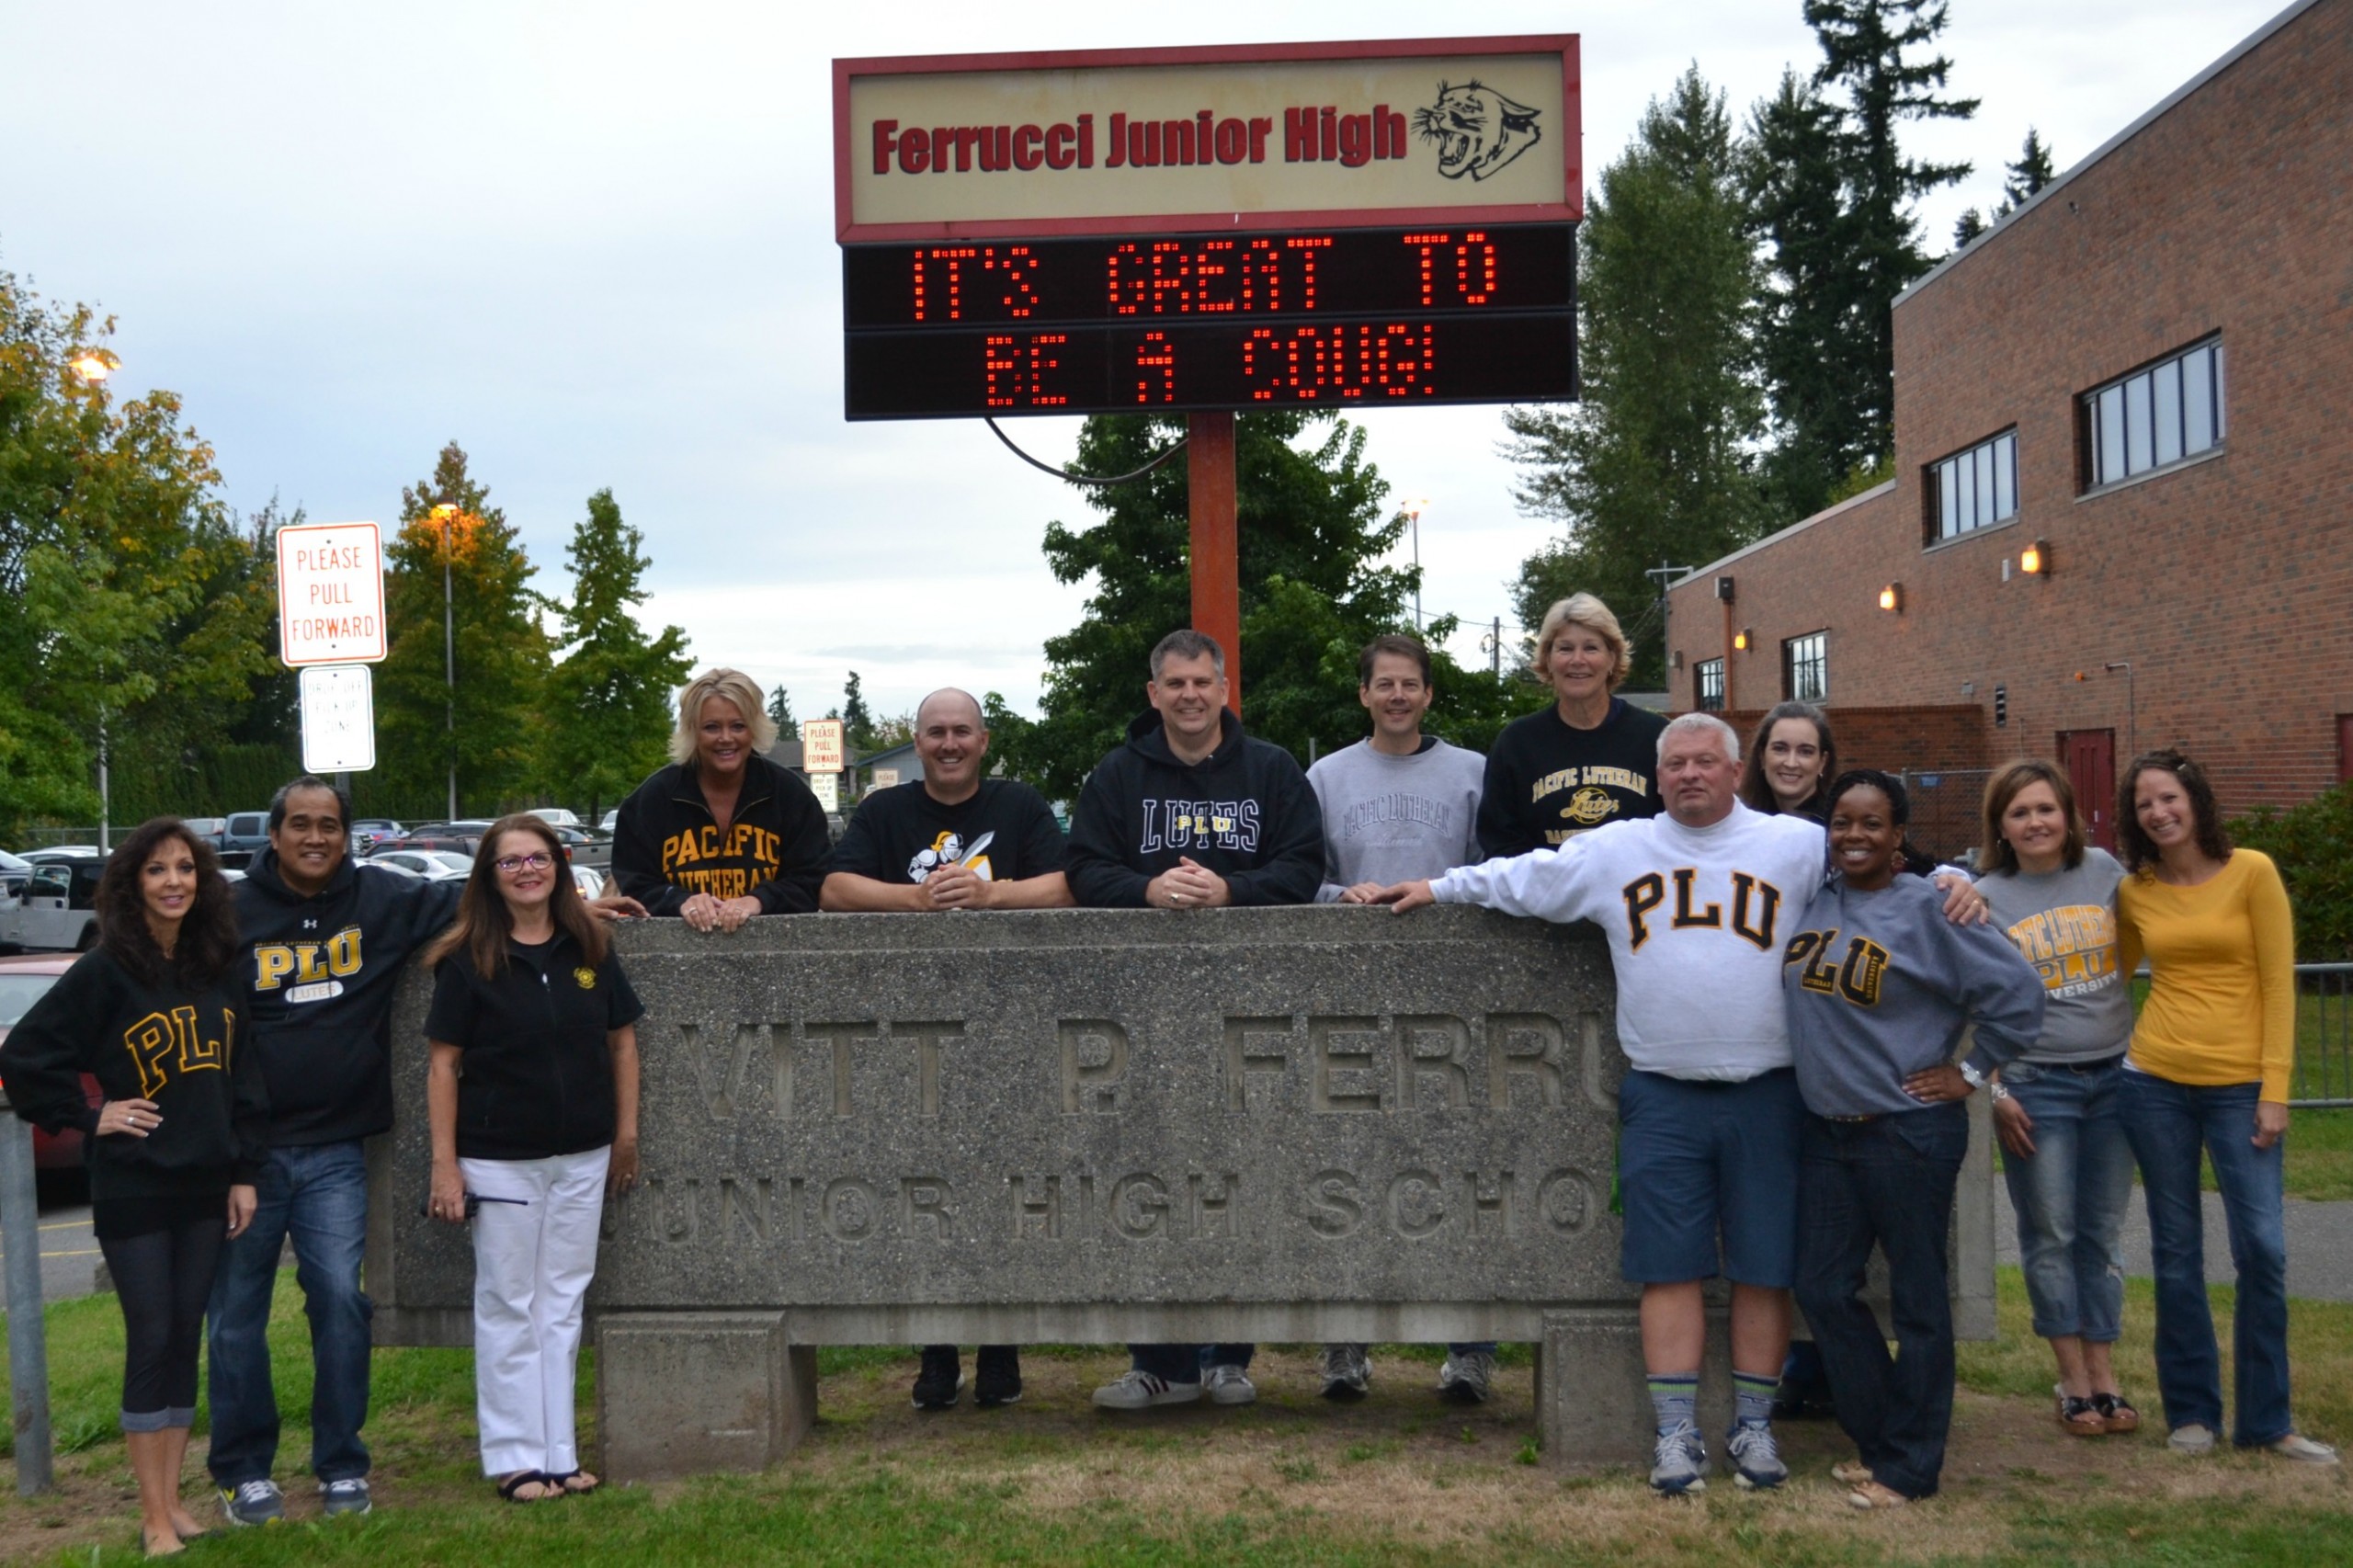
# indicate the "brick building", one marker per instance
pixel 2123 510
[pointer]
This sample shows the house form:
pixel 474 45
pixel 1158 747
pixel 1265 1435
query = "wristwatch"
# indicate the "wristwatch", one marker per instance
pixel 1970 1076
pixel 2001 1091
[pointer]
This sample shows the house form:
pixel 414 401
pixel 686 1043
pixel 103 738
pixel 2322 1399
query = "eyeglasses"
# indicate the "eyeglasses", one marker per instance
pixel 510 864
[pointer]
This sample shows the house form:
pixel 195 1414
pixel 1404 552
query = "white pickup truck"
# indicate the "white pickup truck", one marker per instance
pixel 54 913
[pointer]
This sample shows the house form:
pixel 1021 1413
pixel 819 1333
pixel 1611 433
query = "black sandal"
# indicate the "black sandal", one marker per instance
pixel 563 1483
pixel 2117 1412
pixel 511 1487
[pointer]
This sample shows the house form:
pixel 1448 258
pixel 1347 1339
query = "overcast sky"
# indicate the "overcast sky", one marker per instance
pixel 593 243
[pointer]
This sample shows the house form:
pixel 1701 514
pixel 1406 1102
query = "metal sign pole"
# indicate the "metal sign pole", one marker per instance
pixel 1216 541
pixel 28 1333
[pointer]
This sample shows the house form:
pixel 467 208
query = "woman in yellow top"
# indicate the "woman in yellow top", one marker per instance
pixel 2209 1067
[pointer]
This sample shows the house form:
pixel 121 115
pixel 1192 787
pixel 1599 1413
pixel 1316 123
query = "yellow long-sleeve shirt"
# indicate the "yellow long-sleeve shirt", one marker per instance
pixel 2221 1006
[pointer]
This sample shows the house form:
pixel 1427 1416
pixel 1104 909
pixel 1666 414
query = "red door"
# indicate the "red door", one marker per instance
pixel 2089 757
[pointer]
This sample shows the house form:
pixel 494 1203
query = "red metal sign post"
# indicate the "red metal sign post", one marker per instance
pixel 1217 543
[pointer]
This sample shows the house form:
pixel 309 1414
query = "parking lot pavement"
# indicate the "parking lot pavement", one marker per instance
pixel 2320 1244
pixel 69 1251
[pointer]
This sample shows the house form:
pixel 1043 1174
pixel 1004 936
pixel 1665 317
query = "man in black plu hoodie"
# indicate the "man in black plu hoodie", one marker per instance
pixel 1192 813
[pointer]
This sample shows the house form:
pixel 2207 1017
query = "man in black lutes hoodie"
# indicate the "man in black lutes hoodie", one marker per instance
pixel 1191 813
pixel 326 946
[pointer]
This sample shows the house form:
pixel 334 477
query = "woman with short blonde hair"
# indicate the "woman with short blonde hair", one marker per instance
pixel 1590 758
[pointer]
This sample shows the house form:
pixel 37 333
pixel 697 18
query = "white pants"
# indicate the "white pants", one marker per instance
pixel 532 1264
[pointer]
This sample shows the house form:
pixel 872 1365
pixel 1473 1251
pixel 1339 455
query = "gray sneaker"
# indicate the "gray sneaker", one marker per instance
pixel 1755 1457
pixel 2192 1438
pixel 2296 1445
pixel 1229 1384
pixel 346 1496
pixel 1348 1373
pixel 1465 1379
pixel 253 1502
pixel 1681 1464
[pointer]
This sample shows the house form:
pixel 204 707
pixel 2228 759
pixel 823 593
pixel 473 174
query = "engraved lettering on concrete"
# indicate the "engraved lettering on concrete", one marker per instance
pixel 928 1038
pixel 1596 1063
pixel 1525 1045
pixel 1032 1213
pixel 1333 1210
pixel 1340 1050
pixel 1416 1204
pixel 674 1208
pixel 926 1199
pixel 1490 1203
pixel 1240 1059
pixel 1216 1211
pixel 1139 1206
pixel 1566 1203
pixel 744 1204
pixel 849 1211
pixel 731 1075
pixel 1433 1046
pixel 843 1037
pixel 1095 1065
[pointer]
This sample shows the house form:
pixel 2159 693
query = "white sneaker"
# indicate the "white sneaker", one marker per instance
pixel 2193 1440
pixel 1138 1390
pixel 2296 1445
pixel 1229 1385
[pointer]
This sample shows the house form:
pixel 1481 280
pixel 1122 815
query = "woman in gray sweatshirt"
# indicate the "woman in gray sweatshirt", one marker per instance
pixel 1878 987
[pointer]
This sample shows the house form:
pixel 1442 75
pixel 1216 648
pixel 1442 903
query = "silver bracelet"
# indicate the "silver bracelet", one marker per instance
pixel 1999 1092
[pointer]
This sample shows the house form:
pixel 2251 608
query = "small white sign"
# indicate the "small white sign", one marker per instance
pixel 821 745
pixel 330 594
pixel 338 719
pixel 884 778
pixel 827 788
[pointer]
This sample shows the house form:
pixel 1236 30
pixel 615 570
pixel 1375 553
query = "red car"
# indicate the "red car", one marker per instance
pixel 22 981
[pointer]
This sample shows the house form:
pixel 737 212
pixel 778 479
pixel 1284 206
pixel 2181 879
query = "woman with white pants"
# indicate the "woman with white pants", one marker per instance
pixel 531 1093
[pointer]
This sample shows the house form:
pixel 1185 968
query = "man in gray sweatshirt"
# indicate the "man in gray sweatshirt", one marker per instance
pixel 1398 806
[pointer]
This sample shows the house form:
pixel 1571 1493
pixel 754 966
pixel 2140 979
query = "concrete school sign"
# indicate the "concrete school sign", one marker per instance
pixel 1092 1126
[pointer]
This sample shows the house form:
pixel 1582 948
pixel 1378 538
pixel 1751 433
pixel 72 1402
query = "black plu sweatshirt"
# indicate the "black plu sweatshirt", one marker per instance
pixel 319 974
pixel 667 846
pixel 1244 811
pixel 183 1046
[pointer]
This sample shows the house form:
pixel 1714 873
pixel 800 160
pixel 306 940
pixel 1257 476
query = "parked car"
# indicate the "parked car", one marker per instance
pixel 22 982
pixel 13 871
pixel 367 832
pixel 62 854
pixel 606 823
pixel 246 834
pixel 589 881
pixel 555 817
pixel 208 829
pixel 57 910
pixel 585 848
pixel 433 865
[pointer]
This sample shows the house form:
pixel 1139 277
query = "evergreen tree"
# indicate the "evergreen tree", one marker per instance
pixel 1313 592
pixel 787 728
pixel 612 692
pixel 2028 174
pixel 502 720
pixel 858 719
pixel 1970 224
pixel 1652 462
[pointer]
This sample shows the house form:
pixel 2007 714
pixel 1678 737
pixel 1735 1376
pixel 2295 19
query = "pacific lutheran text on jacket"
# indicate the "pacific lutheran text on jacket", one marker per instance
pixel 1547 780
pixel 319 976
pixel 1244 811
pixel 181 1046
pixel 667 846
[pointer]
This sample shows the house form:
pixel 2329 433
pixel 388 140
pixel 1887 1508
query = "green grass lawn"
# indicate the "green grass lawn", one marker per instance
pixel 1290 1481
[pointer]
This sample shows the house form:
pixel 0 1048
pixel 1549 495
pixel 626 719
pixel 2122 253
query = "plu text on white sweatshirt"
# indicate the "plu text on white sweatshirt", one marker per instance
pixel 1696 919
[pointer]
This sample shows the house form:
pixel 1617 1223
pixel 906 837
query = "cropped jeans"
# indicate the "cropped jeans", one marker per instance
pixel 2169 1123
pixel 2070 1196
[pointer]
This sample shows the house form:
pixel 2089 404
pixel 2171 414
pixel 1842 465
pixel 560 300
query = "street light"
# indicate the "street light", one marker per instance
pixel 91 366
pixel 1413 510
pixel 443 514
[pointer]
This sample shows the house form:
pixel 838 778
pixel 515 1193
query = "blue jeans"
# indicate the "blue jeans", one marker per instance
pixel 1183 1363
pixel 2070 1196
pixel 2166 1123
pixel 319 1195
pixel 1889 1181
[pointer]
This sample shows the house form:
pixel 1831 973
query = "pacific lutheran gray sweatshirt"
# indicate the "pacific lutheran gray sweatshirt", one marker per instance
pixel 1396 819
pixel 1880 985
pixel 2064 923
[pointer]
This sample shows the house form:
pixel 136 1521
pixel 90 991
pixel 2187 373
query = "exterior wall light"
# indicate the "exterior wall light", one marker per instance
pixel 1740 640
pixel 2035 559
pixel 1891 597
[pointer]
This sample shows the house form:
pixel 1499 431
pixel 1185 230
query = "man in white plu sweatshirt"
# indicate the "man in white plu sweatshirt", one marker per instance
pixel 1696 905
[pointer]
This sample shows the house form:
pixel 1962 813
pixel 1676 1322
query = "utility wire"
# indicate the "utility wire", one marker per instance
pixel 1081 478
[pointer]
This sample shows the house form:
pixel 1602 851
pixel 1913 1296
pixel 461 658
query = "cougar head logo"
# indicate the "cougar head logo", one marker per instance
pixel 1477 130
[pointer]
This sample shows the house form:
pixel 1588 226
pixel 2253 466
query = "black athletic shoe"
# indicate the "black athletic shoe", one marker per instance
pixel 999 1379
pixel 941 1380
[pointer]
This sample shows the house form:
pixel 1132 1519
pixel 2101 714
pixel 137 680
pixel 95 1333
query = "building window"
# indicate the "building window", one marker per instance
pixel 1806 667
pixel 2170 410
pixel 1977 488
pixel 1709 680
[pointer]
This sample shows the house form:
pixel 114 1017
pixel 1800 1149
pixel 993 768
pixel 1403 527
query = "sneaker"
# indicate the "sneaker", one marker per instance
pixel 941 1380
pixel 2191 1440
pixel 2296 1445
pixel 345 1496
pixel 999 1379
pixel 1756 1458
pixel 1348 1373
pixel 1138 1390
pixel 1464 1378
pixel 253 1502
pixel 1681 1463
pixel 1229 1384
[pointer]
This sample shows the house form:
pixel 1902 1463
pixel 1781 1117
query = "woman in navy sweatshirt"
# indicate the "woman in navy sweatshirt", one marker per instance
pixel 154 1014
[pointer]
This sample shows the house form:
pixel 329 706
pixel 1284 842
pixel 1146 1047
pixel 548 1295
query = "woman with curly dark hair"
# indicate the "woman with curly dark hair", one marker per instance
pixel 2208 1070
pixel 531 1097
pixel 154 1014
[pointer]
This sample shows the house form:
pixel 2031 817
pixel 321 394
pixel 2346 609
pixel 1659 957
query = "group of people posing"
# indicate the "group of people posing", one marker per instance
pixel 1791 997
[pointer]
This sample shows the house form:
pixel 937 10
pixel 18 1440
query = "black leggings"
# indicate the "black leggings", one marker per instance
pixel 163 1279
